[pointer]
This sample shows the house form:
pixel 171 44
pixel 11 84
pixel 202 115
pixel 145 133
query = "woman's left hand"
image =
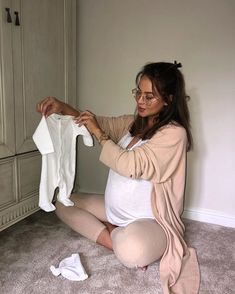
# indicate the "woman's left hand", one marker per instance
pixel 88 119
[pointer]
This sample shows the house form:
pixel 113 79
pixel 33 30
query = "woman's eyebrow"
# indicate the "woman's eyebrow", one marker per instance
pixel 146 92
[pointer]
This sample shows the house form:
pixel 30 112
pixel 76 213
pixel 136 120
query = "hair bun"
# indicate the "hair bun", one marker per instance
pixel 177 64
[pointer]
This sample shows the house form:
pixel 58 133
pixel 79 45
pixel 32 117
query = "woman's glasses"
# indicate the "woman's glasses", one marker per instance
pixel 148 97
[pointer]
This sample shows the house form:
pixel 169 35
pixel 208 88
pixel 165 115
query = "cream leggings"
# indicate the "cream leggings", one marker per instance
pixel 136 245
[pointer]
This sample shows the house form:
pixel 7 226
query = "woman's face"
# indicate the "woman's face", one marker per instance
pixel 149 102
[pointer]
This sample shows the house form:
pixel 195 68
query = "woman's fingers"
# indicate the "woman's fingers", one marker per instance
pixel 84 117
pixel 43 105
pixel 49 105
pixel 88 119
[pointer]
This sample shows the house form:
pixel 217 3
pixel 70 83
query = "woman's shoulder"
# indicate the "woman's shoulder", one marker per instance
pixel 121 118
pixel 173 127
pixel 127 118
pixel 171 131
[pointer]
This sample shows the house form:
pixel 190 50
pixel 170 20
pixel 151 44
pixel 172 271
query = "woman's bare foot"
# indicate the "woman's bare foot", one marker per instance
pixel 109 226
pixel 144 268
pixel 104 239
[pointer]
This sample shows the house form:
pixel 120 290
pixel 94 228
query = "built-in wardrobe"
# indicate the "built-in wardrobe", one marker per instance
pixel 37 59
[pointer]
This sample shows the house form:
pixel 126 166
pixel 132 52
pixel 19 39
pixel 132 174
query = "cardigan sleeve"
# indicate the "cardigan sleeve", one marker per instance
pixel 115 127
pixel 156 160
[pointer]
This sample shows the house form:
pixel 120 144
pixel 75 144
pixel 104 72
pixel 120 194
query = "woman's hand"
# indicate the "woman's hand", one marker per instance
pixel 50 105
pixel 88 119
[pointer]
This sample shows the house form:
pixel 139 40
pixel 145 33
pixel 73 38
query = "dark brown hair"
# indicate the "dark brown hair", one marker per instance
pixel 168 81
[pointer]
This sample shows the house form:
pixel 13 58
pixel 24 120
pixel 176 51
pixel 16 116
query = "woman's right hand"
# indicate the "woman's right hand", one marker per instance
pixel 50 105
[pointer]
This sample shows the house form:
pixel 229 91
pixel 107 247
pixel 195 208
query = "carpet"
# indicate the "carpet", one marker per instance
pixel 30 247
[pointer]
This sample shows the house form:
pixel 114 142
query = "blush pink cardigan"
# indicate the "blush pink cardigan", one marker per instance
pixel 161 160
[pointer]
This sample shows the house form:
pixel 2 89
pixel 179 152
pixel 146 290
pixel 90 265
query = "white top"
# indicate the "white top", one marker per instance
pixel 55 138
pixel 127 200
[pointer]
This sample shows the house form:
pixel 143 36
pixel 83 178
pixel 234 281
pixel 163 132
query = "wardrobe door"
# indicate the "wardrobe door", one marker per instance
pixel 37 59
pixel 7 123
pixel 42 41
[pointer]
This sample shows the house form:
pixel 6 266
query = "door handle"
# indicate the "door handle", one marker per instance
pixel 17 20
pixel 9 20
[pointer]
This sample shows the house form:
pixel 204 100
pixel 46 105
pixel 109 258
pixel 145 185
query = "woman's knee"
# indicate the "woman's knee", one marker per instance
pixel 129 249
pixel 133 247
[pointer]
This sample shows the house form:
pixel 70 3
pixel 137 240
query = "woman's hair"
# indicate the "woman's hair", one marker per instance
pixel 168 81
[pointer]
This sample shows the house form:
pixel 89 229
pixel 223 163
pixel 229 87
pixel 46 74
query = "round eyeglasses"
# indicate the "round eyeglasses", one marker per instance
pixel 148 97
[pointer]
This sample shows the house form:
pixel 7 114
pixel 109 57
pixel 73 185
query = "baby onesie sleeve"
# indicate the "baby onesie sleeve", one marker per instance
pixel 86 136
pixel 42 138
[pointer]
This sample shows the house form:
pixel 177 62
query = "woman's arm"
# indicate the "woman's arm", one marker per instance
pixel 51 105
pixel 156 160
pixel 114 127
pixel 105 128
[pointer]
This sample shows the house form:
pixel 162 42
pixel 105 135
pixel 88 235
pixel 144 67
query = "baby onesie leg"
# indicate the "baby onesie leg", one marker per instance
pixel 86 216
pixel 140 243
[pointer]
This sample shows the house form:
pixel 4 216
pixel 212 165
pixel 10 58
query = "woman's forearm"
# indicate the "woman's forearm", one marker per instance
pixel 69 110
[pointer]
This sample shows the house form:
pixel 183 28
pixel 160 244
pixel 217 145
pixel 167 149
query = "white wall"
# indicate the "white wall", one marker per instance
pixel 117 37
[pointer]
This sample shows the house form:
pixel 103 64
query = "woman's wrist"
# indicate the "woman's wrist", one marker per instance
pixel 66 109
pixel 101 136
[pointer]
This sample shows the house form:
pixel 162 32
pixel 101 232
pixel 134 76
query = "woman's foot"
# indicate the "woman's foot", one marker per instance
pixel 144 268
pixel 109 226
pixel 104 239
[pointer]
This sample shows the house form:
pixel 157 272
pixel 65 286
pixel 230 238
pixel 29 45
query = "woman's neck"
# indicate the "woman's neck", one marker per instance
pixel 151 121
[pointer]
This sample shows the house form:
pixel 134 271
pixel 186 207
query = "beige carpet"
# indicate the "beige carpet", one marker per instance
pixel 28 248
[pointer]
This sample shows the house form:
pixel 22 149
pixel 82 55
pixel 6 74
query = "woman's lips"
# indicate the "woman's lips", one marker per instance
pixel 140 109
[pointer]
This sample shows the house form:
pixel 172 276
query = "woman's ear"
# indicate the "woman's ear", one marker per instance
pixel 170 99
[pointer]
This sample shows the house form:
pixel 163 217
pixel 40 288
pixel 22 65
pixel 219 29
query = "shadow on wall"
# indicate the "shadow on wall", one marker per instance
pixel 196 162
pixel 91 174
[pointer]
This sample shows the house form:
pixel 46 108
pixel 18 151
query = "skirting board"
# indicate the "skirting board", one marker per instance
pixel 210 216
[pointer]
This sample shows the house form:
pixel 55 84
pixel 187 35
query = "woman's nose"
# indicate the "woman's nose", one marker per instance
pixel 141 99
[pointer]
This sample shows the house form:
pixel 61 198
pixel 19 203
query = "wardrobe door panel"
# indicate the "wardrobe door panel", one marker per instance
pixel 7 122
pixel 7 182
pixel 41 39
pixel 29 172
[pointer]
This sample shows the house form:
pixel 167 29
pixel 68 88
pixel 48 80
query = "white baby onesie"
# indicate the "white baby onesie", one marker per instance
pixel 55 138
